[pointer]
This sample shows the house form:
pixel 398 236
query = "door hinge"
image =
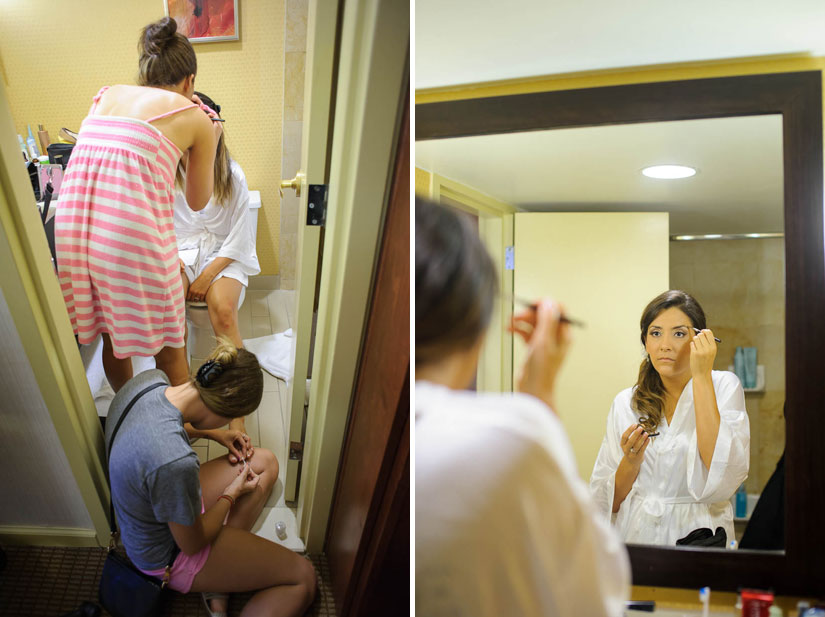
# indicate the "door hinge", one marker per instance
pixel 509 258
pixel 296 450
pixel 317 204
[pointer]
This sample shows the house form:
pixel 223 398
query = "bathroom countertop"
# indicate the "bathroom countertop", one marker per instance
pixel 680 612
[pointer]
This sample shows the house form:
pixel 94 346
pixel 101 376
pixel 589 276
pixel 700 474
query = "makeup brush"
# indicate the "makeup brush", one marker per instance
pixel 563 319
pixel 697 330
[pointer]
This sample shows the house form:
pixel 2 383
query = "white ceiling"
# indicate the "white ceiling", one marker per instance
pixel 738 187
pixel 471 41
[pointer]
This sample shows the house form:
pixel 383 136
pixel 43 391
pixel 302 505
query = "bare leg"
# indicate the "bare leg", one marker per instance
pixel 173 362
pixel 118 370
pixel 240 561
pixel 218 473
pixel 287 590
pixel 222 302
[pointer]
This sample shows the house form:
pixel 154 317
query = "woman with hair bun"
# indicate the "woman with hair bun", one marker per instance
pixel 503 523
pixel 172 509
pixel 677 443
pixel 114 231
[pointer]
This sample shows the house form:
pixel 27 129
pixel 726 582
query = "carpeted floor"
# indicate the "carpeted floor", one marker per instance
pixel 50 581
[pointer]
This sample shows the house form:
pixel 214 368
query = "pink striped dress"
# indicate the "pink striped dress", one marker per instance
pixel 117 257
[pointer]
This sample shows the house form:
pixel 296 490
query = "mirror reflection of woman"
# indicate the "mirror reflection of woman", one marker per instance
pixel 503 523
pixel 659 489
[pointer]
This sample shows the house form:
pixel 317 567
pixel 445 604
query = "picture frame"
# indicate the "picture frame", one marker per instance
pixel 205 21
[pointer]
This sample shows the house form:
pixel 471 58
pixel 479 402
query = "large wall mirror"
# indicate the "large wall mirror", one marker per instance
pixel 744 236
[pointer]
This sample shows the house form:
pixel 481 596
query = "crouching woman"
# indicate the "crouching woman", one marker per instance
pixel 169 506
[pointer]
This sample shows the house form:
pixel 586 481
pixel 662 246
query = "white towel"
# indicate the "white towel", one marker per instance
pixel 274 353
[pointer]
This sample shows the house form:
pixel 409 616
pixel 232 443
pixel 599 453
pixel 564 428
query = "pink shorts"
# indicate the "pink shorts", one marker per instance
pixel 184 568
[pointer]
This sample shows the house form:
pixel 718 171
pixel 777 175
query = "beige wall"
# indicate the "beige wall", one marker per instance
pixel 741 287
pixel 604 267
pixel 54 56
pixel 294 71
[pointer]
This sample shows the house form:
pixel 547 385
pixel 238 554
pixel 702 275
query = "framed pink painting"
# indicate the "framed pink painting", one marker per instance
pixel 205 21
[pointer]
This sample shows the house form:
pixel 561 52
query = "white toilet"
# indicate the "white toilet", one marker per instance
pixel 201 339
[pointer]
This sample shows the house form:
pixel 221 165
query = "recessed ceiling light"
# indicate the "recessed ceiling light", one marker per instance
pixel 669 172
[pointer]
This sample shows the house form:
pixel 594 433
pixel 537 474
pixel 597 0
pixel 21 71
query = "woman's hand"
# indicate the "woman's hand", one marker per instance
pixel 634 443
pixel 198 288
pixel 702 354
pixel 238 443
pixel 246 481
pixel 217 126
pixel 547 342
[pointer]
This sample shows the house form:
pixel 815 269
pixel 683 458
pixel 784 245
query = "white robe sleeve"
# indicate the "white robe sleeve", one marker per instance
pixel 731 455
pixel 239 245
pixel 603 478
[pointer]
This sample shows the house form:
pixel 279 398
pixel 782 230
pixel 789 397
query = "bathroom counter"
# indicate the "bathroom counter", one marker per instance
pixel 679 612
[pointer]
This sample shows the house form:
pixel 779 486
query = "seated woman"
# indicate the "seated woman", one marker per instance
pixel 166 501
pixel 221 235
pixel 677 443
pixel 503 523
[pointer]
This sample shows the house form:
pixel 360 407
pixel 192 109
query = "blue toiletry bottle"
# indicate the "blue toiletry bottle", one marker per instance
pixel 741 502
pixel 739 364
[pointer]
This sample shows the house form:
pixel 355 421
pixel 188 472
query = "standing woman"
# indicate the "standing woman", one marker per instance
pixel 659 489
pixel 169 505
pixel 114 232
pixel 503 523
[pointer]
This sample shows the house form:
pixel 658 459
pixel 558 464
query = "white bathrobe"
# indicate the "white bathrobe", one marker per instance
pixel 219 231
pixel 674 493
pixel 503 523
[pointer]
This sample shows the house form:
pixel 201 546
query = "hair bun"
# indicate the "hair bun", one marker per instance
pixel 159 34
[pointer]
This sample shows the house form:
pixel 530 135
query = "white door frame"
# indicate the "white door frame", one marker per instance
pixel 495 226
pixel 373 77
pixel 322 18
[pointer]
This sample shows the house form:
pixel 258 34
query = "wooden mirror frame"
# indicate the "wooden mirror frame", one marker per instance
pixel 798 97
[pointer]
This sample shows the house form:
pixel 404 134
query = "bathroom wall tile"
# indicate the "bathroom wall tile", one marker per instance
pixel 291 157
pixel 288 284
pixel 296 25
pixel 294 71
pixel 681 276
pixel 289 214
pixel 288 256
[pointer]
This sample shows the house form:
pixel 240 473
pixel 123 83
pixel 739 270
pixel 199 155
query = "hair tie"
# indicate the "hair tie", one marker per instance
pixel 209 372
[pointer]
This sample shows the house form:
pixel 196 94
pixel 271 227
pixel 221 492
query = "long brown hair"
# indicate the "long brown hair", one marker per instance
pixel 455 283
pixel 222 189
pixel 649 393
pixel 166 56
pixel 230 382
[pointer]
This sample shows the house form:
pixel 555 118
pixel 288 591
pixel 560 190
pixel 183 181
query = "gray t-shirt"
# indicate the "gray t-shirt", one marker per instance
pixel 153 471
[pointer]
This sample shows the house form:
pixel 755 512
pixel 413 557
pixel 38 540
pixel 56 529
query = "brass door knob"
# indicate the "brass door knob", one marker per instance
pixel 295 183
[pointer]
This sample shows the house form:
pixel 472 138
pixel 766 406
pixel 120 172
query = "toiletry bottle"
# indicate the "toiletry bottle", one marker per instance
pixel 43 136
pixel 31 144
pixel 739 364
pixel 741 502
pixel 23 147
